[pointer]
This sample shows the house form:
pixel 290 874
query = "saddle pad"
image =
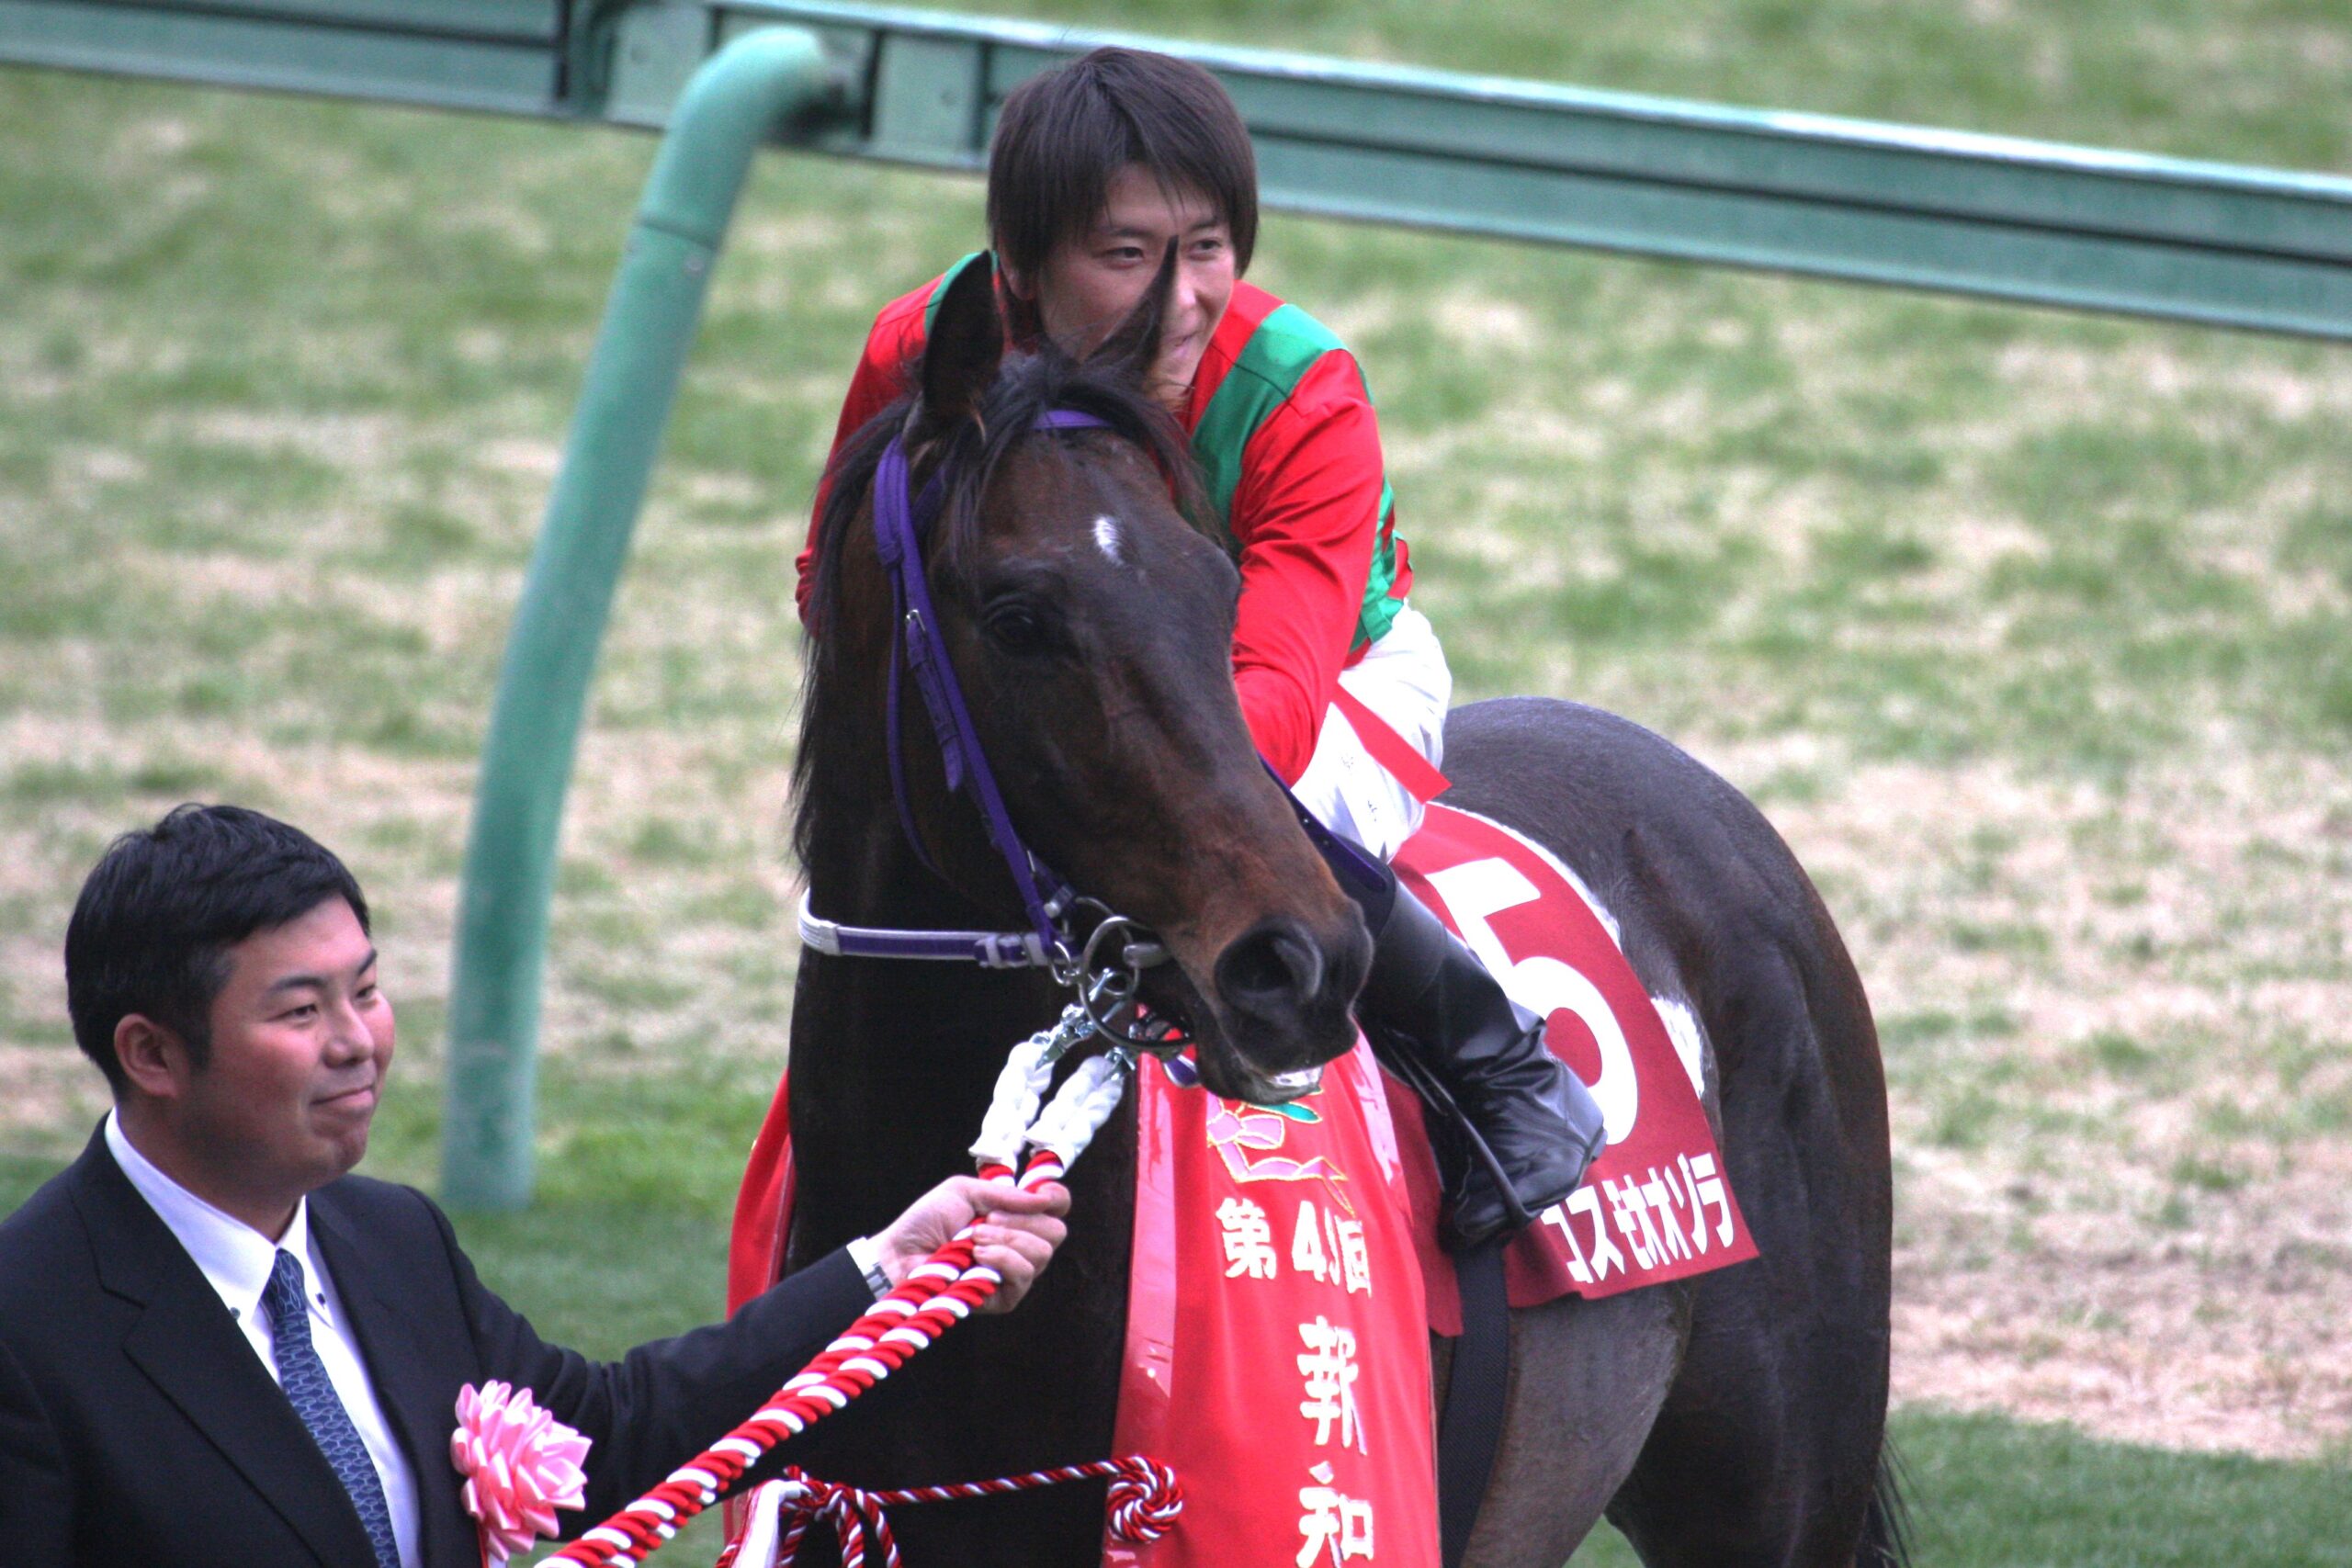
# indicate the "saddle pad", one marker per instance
pixel 1657 1204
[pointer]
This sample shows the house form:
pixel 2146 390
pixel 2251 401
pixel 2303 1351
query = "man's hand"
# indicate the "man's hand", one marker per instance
pixel 1017 1236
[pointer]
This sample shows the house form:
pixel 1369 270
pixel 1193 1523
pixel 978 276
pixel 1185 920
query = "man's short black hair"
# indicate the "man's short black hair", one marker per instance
pixel 151 932
pixel 1064 134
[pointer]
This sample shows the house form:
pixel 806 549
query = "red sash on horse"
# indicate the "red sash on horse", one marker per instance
pixel 1284 1264
pixel 1277 1348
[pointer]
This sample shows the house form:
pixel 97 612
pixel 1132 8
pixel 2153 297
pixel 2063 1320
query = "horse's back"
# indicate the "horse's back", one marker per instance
pixel 1712 909
pixel 1766 1445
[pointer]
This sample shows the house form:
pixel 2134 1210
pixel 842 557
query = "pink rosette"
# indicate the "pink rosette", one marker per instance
pixel 520 1464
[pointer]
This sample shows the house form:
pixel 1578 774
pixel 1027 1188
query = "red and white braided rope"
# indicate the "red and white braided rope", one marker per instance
pixel 1146 1499
pixel 940 1291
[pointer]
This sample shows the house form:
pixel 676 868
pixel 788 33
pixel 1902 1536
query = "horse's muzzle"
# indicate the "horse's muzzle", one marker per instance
pixel 1285 991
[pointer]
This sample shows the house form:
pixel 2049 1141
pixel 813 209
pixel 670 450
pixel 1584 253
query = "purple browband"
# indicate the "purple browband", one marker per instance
pixel 899 525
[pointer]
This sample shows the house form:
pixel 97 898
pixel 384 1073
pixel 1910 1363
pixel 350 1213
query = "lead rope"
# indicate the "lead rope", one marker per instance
pixel 937 1293
pixel 1145 1502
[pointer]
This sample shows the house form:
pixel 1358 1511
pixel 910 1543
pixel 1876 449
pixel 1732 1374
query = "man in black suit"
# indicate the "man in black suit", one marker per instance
pixel 218 1348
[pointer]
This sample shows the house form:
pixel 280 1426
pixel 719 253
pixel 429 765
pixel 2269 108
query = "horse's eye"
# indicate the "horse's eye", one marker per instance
pixel 1019 629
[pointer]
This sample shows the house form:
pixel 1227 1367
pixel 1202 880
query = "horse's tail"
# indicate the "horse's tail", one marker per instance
pixel 1887 1527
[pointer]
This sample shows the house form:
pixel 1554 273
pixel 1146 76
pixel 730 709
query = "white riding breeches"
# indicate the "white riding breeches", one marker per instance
pixel 1403 679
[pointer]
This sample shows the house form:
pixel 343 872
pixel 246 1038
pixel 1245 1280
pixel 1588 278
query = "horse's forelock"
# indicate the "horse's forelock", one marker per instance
pixel 1031 386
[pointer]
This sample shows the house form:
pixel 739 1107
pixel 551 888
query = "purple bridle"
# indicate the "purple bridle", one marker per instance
pixel 901 523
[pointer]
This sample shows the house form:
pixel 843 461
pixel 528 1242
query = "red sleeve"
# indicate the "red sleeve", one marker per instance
pixel 1308 514
pixel 880 377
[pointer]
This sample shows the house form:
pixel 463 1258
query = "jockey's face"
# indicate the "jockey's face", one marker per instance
pixel 1089 285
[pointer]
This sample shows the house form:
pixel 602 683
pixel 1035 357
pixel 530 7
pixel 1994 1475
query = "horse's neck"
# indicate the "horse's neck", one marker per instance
pixel 892 1065
pixel 893 1061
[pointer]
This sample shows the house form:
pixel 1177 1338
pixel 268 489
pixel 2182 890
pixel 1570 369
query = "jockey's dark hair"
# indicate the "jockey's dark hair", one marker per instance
pixel 1027 386
pixel 1063 134
pixel 158 914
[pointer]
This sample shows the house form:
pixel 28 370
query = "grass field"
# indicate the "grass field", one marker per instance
pixel 2032 633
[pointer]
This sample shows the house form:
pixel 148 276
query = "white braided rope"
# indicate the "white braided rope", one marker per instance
pixel 1080 1108
pixel 1020 1091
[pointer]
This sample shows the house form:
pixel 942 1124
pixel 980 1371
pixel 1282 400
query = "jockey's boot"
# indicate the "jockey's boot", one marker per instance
pixel 1532 1126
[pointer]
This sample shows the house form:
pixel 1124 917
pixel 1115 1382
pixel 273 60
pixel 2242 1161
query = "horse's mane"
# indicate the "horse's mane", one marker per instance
pixel 1029 385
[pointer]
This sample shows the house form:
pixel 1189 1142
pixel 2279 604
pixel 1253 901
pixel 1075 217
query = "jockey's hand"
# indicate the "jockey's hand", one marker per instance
pixel 1017 1235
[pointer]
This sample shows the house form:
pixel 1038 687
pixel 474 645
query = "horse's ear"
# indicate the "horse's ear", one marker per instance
pixel 1129 353
pixel 965 348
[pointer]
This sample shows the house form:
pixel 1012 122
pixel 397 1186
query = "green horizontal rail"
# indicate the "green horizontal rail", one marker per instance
pixel 2029 222
pixel 2034 223
pixel 505 56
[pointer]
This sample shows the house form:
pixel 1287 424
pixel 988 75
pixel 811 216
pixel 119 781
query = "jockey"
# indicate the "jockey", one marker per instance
pixel 1096 169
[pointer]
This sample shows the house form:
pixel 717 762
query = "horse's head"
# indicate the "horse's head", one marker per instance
pixel 1091 625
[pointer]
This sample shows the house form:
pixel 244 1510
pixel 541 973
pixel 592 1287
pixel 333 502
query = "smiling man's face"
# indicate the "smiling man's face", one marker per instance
pixel 1090 284
pixel 301 1041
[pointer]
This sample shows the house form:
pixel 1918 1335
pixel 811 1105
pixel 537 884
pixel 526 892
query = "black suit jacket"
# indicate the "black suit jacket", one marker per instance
pixel 137 1426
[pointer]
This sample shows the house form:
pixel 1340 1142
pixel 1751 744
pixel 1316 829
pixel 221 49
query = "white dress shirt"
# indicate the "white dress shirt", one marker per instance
pixel 237 1260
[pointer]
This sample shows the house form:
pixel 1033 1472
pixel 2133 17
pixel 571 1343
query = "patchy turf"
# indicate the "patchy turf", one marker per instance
pixel 2030 631
pixel 2113 1017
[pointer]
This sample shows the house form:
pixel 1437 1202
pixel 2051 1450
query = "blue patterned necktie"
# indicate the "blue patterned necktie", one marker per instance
pixel 304 1378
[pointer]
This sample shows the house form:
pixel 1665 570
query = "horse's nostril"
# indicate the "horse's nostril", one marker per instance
pixel 1272 968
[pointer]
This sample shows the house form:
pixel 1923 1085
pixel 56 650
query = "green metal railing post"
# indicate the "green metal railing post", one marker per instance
pixel 734 101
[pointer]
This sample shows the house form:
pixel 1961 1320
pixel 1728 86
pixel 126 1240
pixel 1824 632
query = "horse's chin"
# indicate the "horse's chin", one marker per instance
pixel 1263 1088
pixel 1226 1069
pixel 1228 1072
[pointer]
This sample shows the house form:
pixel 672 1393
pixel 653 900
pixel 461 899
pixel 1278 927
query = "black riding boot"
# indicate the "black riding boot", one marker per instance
pixel 1533 1126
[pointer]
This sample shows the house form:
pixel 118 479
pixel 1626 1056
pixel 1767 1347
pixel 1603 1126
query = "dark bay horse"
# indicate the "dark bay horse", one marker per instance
pixel 1734 1419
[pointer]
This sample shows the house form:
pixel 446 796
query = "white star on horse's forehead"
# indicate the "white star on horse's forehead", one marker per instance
pixel 1106 538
